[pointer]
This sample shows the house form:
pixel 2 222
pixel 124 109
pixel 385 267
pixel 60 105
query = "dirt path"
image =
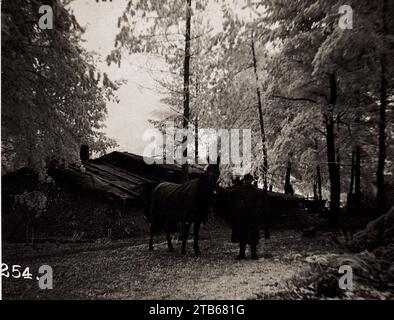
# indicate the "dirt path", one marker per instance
pixel 132 272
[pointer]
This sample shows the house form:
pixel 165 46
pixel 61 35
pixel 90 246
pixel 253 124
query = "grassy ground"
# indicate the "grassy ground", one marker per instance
pixel 127 270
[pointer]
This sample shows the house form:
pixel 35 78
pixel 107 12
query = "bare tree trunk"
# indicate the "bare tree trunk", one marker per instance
pixel 197 88
pixel 315 198
pixel 318 174
pixel 350 195
pixel 381 197
pixel 351 187
pixel 319 189
pixel 338 160
pixel 357 178
pixel 333 166
pixel 186 83
pixel 260 108
pixel 288 187
pixel 196 141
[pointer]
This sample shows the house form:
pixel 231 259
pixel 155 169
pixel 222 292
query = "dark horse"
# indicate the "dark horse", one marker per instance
pixel 172 204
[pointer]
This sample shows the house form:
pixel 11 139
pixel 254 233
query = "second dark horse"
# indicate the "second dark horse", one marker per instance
pixel 184 204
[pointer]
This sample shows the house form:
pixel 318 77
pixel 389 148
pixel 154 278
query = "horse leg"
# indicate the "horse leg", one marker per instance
pixel 170 246
pixel 253 248
pixel 242 249
pixel 196 231
pixel 185 235
pixel 267 235
pixel 151 216
pixel 151 238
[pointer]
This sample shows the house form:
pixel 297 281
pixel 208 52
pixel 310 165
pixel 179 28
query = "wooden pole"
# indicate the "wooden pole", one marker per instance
pixel 261 118
pixel 186 84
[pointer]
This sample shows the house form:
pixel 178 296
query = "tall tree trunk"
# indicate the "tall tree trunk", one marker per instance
pixel 381 197
pixel 351 187
pixel 350 195
pixel 197 88
pixel 315 198
pixel 318 174
pixel 357 178
pixel 186 83
pixel 288 187
pixel 196 141
pixel 333 166
pixel 338 160
pixel 319 188
pixel 261 118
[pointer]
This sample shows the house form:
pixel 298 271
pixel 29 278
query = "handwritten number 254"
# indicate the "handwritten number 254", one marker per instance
pixel 15 272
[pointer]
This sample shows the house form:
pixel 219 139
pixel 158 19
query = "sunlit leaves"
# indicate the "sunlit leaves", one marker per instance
pixel 53 97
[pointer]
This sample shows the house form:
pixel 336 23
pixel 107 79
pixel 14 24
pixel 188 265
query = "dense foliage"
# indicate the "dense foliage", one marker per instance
pixel 324 91
pixel 53 99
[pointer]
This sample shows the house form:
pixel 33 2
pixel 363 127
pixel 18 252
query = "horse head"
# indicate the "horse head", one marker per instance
pixel 213 172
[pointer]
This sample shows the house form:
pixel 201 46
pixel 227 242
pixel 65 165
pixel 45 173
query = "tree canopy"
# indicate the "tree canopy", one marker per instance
pixel 53 98
pixel 319 85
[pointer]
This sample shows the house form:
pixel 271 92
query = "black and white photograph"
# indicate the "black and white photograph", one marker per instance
pixel 215 152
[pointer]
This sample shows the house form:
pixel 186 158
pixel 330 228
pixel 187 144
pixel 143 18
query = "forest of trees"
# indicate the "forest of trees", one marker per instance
pixel 53 98
pixel 316 96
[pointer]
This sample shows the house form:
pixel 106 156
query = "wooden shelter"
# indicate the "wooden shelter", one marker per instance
pixel 102 197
